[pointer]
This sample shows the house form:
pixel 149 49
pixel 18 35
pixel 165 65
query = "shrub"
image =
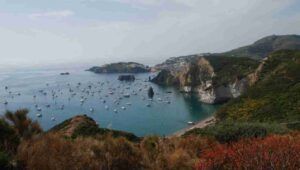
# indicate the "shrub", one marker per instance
pixel 230 132
pixel 9 140
pixel 4 160
pixel 52 151
pixel 273 152
pixel 23 125
pixel 173 153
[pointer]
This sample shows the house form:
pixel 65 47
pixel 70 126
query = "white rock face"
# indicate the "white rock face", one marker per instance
pixel 206 96
pixel 211 95
pixel 187 89
pixel 238 87
pixel 198 76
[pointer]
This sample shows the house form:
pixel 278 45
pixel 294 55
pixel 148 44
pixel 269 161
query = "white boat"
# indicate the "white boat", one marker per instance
pixel 91 110
pixel 126 95
pixel 39 115
pixel 123 108
pixel 53 118
pixel 115 110
pixel 190 123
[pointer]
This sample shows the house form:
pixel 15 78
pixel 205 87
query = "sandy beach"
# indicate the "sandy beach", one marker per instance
pixel 200 124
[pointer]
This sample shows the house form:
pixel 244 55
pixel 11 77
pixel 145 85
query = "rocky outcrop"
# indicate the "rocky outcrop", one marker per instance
pixel 126 78
pixel 121 67
pixel 82 125
pixel 214 79
pixel 164 77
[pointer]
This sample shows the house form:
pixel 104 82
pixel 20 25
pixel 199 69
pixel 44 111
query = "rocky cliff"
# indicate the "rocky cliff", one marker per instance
pixel 215 79
pixel 82 125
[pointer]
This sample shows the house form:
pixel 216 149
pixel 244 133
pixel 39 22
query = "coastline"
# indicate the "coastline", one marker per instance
pixel 200 124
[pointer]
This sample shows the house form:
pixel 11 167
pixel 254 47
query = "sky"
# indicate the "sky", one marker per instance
pixel 35 33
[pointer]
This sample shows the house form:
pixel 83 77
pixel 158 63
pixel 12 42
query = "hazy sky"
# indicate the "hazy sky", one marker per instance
pixel 94 32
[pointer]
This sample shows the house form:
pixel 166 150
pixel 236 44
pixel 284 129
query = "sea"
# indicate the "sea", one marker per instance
pixel 52 98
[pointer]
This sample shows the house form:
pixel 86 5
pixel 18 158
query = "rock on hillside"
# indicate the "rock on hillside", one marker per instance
pixel 83 125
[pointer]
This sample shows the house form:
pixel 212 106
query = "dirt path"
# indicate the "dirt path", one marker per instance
pixel 200 124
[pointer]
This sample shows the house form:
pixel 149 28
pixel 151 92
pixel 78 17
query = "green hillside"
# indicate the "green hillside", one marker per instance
pixel 267 45
pixel 276 95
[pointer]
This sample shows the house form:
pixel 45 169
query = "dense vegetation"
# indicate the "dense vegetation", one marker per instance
pixel 228 69
pixel 226 132
pixel 276 95
pixel 273 152
pixel 247 146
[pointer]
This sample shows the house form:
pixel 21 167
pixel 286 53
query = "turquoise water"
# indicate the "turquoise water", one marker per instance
pixel 169 110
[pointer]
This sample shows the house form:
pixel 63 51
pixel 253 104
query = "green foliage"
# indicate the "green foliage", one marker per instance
pixel 228 69
pixel 9 140
pixel 276 95
pixel 121 67
pixel 24 126
pixel 4 160
pixel 88 130
pixel 226 132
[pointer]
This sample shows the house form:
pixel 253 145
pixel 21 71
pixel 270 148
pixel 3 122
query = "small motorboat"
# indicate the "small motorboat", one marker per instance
pixel 191 123
pixel 126 95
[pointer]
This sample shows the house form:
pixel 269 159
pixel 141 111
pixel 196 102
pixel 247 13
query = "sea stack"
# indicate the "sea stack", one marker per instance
pixel 150 92
pixel 126 78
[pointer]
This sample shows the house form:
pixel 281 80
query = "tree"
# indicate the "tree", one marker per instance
pixel 23 125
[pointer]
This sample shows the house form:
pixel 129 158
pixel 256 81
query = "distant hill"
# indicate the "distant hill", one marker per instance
pixel 275 95
pixel 267 45
pixel 121 67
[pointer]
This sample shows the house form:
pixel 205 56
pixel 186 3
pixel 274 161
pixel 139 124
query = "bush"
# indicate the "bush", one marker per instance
pixel 273 152
pixel 9 140
pixel 4 160
pixel 227 132
pixel 52 151
pixel 173 153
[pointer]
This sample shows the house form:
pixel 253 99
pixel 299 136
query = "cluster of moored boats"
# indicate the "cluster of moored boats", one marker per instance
pixel 114 96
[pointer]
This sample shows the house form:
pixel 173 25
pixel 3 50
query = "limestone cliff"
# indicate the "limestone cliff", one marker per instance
pixel 215 79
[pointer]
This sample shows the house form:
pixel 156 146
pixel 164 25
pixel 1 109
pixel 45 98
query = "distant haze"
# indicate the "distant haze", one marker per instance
pixel 94 32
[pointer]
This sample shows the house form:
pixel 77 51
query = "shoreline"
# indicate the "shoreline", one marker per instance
pixel 200 124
